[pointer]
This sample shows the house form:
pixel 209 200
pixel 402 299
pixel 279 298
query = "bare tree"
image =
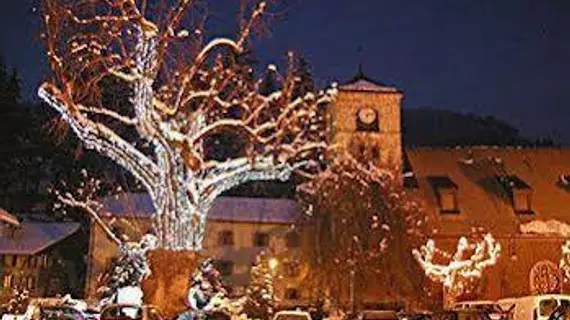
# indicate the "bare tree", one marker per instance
pixel 183 91
pixel 131 265
pixel 463 267
pixel 359 223
pixel 564 263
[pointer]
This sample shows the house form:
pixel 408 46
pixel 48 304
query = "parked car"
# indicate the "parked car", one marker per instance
pixel 292 315
pixel 57 313
pixel 378 315
pixel 539 307
pixel 91 314
pixel 561 313
pixel 130 312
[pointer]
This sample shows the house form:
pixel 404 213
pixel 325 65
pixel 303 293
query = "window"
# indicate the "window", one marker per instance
pixel 293 239
pixel 522 201
pixel 361 151
pixel 446 191
pixel 8 281
pixel 261 239
pixel 31 283
pixel 225 267
pixel 292 294
pixel 226 238
pixel 448 201
pixel 519 192
pixel 547 307
pixel 375 153
pixel 564 181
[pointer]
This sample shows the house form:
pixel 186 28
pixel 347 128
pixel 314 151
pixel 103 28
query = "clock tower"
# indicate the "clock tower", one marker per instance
pixel 365 121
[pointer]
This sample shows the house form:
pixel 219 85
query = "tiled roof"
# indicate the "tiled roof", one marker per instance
pixel 6 217
pixel 482 200
pixel 233 209
pixel 33 238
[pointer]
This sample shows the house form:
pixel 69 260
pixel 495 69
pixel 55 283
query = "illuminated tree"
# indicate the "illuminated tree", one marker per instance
pixel 360 223
pixel 564 263
pixel 260 294
pixel 127 271
pixel 464 266
pixel 183 91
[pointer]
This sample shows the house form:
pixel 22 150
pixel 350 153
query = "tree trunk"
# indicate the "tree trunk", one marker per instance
pixel 167 286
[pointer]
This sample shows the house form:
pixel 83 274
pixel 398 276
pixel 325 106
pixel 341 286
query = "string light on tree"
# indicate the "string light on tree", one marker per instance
pixel 565 261
pixel 464 266
pixel 184 91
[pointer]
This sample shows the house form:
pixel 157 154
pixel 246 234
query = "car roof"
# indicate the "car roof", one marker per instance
pixel 295 312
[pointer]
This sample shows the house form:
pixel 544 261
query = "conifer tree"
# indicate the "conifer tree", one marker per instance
pixel 260 291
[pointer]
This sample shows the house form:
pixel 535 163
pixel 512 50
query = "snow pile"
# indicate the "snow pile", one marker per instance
pixel 551 227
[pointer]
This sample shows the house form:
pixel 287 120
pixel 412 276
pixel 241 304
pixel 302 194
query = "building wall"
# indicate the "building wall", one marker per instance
pixel 52 271
pixel 511 276
pixel 241 253
pixel 344 115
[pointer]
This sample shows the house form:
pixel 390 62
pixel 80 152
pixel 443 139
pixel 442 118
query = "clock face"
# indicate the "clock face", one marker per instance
pixel 367 115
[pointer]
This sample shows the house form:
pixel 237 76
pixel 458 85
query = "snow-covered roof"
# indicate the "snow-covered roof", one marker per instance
pixel 549 227
pixel 231 209
pixel 33 237
pixel 366 85
pixel 360 82
pixel 481 197
pixel 6 217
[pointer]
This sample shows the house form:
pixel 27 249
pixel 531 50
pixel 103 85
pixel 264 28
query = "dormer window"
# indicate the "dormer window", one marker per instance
pixel 520 193
pixel 446 191
pixel 564 181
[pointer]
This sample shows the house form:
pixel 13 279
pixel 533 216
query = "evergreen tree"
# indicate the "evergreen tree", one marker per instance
pixel 268 83
pixel 304 78
pixel 19 301
pixel 260 294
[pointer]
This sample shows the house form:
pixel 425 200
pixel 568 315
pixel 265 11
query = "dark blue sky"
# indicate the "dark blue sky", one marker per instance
pixel 508 58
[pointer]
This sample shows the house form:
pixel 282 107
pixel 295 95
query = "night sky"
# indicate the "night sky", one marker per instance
pixel 507 58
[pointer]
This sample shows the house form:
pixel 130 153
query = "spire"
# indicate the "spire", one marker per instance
pixel 360 73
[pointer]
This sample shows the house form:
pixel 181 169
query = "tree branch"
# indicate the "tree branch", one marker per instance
pixel 104 140
pixel 70 201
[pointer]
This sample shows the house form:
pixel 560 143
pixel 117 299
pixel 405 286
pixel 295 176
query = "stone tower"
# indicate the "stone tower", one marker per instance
pixel 365 121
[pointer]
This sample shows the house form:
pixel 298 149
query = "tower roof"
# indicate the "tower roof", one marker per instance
pixel 360 82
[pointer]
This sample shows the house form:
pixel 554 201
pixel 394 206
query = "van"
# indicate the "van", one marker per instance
pixel 538 307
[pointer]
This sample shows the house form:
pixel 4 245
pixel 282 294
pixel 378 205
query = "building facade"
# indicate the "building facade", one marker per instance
pixel 468 191
pixel 238 229
pixel 36 257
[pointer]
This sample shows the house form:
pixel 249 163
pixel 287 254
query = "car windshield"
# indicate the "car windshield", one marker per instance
pixel 379 315
pixel 57 313
pixel 291 317
pixel 122 312
pixel 546 307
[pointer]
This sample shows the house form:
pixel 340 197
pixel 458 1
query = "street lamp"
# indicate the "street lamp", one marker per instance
pixel 273 263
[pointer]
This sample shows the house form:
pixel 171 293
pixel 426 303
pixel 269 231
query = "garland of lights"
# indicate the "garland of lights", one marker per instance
pixel 461 269
pixel 175 117
pixel 565 261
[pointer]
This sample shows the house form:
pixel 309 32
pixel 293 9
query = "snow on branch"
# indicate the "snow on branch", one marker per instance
pixel 467 263
pixel 184 95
